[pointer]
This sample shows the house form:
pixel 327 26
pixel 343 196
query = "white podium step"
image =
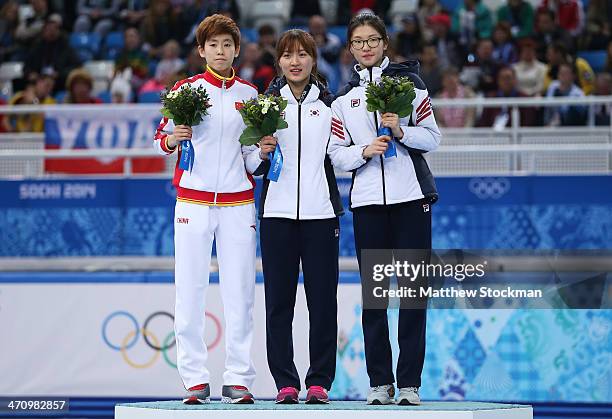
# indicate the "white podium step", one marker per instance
pixel 334 410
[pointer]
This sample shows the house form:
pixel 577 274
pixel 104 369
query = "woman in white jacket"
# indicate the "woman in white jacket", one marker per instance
pixel 299 221
pixel 390 199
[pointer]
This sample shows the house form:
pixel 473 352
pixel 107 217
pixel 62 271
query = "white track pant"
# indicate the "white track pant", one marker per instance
pixel 195 227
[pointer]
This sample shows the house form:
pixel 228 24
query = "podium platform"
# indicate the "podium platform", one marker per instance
pixel 334 410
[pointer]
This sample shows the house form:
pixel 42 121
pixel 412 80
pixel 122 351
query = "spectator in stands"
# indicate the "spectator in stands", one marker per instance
pixel 409 41
pixel 530 73
pixel 504 50
pixel 192 12
pixel 96 14
pixel 79 87
pixel 480 71
pixel 565 115
pixel 4 124
pixel 426 10
pixel 302 10
pixel 519 14
pixel 30 28
pixel 472 21
pixel 346 68
pixel 597 29
pixel 548 32
pixel 454 117
pixel 164 80
pixel 328 44
pixel 430 71
pixel 52 52
pixel 37 92
pixel 267 43
pixel 608 65
pixel 568 14
pixel 253 69
pixel 603 87
pixel 450 51
pixel 9 21
pixel 501 117
pixel 133 12
pixel 194 65
pixel 159 26
pixel 346 9
pixel 134 58
pixel 556 55
pixel 171 61
pixel 121 89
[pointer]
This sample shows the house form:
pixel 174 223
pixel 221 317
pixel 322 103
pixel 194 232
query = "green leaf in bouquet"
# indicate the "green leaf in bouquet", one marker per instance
pixel 283 104
pixel 269 123
pixel 166 113
pixel 250 136
pixel 282 124
pixel 400 105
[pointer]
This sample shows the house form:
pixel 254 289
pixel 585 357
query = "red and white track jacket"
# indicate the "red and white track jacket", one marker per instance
pixel 218 176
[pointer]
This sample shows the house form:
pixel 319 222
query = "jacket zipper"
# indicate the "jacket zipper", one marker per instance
pixel 220 143
pixel 299 154
pixel 382 163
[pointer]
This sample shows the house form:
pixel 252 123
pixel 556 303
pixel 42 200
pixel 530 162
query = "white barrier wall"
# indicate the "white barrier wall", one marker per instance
pixel 65 339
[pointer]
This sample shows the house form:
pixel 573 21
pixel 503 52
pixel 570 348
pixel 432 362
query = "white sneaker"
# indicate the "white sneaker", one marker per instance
pixel 381 394
pixel 408 396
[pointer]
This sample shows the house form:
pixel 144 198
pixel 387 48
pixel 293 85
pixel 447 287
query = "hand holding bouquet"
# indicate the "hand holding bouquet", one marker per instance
pixel 390 95
pixel 263 117
pixel 186 106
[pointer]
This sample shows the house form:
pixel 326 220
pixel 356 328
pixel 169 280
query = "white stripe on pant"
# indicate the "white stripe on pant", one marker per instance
pixel 195 227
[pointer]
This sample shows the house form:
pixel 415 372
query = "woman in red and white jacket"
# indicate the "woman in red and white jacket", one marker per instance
pixel 214 201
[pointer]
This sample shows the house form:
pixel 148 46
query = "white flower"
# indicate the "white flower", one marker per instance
pixel 172 94
pixel 265 105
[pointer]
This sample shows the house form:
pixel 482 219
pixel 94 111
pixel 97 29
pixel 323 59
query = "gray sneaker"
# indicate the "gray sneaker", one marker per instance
pixel 236 395
pixel 408 396
pixel 381 394
pixel 199 394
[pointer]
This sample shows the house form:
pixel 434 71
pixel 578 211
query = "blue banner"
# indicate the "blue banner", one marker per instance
pixel 111 217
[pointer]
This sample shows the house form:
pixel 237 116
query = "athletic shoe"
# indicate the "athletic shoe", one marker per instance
pixel 199 394
pixel 288 395
pixel 317 395
pixel 408 396
pixel 236 395
pixel 381 394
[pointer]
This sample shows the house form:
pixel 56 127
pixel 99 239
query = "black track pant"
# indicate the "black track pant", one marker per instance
pixel 398 226
pixel 284 243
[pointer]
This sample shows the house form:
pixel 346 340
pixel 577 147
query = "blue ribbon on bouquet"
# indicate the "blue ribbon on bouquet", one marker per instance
pixel 391 151
pixel 276 164
pixel 187 155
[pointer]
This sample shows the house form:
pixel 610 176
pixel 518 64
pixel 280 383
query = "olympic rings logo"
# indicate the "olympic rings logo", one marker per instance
pixel 489 187
pixel 159 348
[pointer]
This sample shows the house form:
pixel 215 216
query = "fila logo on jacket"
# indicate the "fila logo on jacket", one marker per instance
pixel 380 180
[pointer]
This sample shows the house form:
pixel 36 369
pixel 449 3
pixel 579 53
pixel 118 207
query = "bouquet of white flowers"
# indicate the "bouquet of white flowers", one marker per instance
pixel 263 116
pixel 186 106
pixel 394 95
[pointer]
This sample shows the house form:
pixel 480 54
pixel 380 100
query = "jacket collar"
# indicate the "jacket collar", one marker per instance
pixel 217 80
pixel 364 73
pixel 311 94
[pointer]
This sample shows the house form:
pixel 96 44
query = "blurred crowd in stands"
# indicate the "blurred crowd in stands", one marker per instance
pixel 558 48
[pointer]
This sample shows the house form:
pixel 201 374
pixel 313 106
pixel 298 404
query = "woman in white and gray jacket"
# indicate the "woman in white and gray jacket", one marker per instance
pixel 390 198
pixel 299 221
